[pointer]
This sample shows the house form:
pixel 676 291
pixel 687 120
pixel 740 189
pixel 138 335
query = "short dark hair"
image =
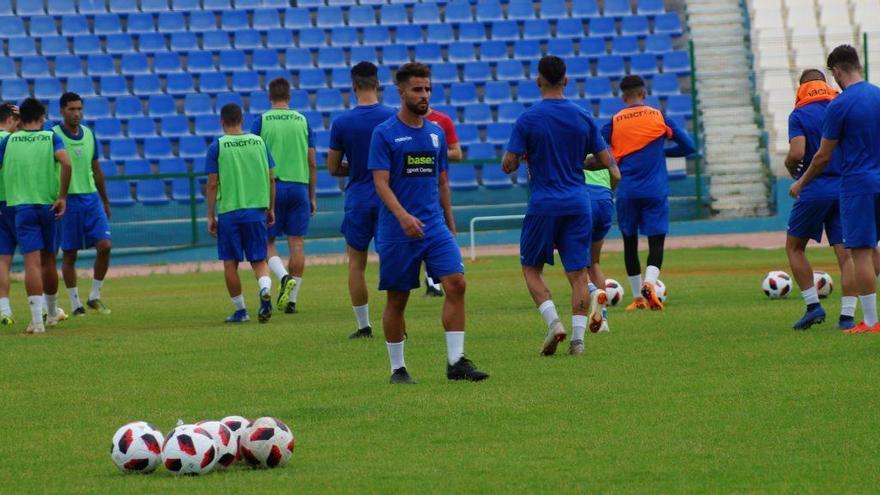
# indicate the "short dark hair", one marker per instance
pixel 413 69
pixel 31 110
pixel 552 69
pixel 845 58
pixel 812 75
pixel 230 114
pixel 279 89
pixel 6 110
pixel 631 86
pixel 364 75
pixel 68 98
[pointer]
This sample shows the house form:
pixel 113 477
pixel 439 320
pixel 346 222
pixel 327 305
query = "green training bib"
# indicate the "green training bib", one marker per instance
pixel 81 152
pixel 30 169
pixel 286 133
pixel 243 173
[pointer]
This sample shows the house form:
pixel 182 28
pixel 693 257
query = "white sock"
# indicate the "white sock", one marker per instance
pixel 635 284
pixel 5 308
pixel 265 284
pixel 238 302
pixel 869 308
pixel 848 305
pixel 295 291
pixel 811 296
pixel 73 293
pixel 96 289
pixel 593 288
pixel 395 354
pixel 652 273
pixel 579 327
pixel 51 304
pixel 277 267
pixel 36 305
pixel 454 346
pixel 362 314
pixel 432 282
pixel 548 312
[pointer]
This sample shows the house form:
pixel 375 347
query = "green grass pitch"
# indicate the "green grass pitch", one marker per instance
pixel 716 394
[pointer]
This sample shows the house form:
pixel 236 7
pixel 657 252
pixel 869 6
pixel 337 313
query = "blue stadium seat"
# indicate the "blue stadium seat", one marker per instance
pixel 322 141
pixel 479 71
pixel 493 51
pixel 343 36
pixel 617 8
pixel 259 102
pixel 217 5
pixel 584 8
pixel 119 43
pixel 52 46
pixel 361 15
pixel 553 9
pixel 96 107
pixel 393 15
pixel 326 185
pixel 509 111
pixel 197 104
pixel 82 85
pixel 429 53
pixel 42 26
pixel 665 84
pixel 563 48
pixel 635 25
pixel 462 177
pixel 451 111
pixel 592 47
pixel 103 24
pixel 200 62
pixel 29 8
pixel 109 168
pixel 151 192
pixel 134 63
pixel 496 92
pixel 520 10
pixel 624 45
pixel 498 132
pixel 572 91
pixel 190 147
pixel 297 18
pixel 34 66
pixel 536 30
pixel 57 7
pixel 157 147
pixel 395 55
pixel 603 26
pixel 332 56
pixel 459 11
pixel 229 97
pixel 330 17
pixel 100 65
pixel 247 39
pixel 677 63
pixel 461 52
pixel 340 78
pixel 146 84
pixel 123 6
pixel 171 22
pixel 119 193
pixel 597 87
pixel 299 99
pixel 108 128
pixel 653 102
pixel 643 64
pixel 232 60
pixel 468 134
pixel 186 5
pixel 488 11
pixel 213 83
pixel 176 165
pixel 47 89
pixel 527 49
pixel 426 13
pixel 166 63
pixel 215 41
pixel 408 34
pixel 179 83
pixel 312 79
pixel 463 94
pixel 483 151
pixel 202 21
pixel 610 66
pixel 668 24
pixel 279 38
pixel 123 149
pixel 113 86
pixel 472 31
pixel 13 27
pixel 477 114
pixel 141 23
pixel 679 105
pixel 363 54
pixel 152 43
pixel 234 20
pixel 510 70
pixel 527 92
pixel 608 107
pixel 328 100
pixel 161 105
pixel 265 19
pixel 438 94
pixel 173 126
pixel 208 126
pixel 505 30
pixel 298 58
pixel 311 38
pixel 184 42
pixel 650 7
pixel 128 107
pixel 570 28
pixel 184 192
pixel 444 73
pixel 440 33
pixel 314 119
pixel 658 43
pixel 154 5
pixel 265 59
pixel 376 35
pixel 7 68
pixel 493 176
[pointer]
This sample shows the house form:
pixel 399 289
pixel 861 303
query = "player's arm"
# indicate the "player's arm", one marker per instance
pixel 335 165
pixel 684 145
pixel 63 158
pixel 98 174
pixel 510 162
pixel 313 179
pixel 412 226
pixel 820 160
pixel 796 151
pixel 211 199
pixel 602 161
pixel 270 212
pixel 453 152
pixel 444 191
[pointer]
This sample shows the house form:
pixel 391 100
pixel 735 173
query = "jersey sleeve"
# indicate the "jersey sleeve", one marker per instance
pixel 832 128
pixel 57 142
pixel 684 145
pixel 606 132
pixel 3 149
pixel 97 145
pixel 257 126
pixel 380 156
pixel 336 133
pixel 269 157
pixel 795 129
pixel 212 165
pixel 517 142
pixel 596 142
pixel 449 131
pixel 443 156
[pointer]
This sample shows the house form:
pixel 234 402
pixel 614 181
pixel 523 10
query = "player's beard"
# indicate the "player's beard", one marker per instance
pixel 418 108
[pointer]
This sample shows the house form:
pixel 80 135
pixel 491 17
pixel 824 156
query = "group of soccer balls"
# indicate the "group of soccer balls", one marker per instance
pixel 200 448
pixel 614 291
pixel 777 284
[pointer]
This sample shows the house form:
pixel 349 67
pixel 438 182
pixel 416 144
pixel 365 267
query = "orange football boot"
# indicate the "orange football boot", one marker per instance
pixel 650 296
pixel 863 328
pixel 638 303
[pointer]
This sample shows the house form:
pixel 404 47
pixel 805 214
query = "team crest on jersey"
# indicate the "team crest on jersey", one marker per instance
pixel 78 152
pixel 435 139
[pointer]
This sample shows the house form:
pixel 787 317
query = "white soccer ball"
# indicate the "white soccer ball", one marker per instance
pixel 267 443
pixel 823 283
pixel 237 425
pixel 614 291
pixel 660 290
pixel 189 449
pixel 137 448
pixel 776 284
pixel 225 442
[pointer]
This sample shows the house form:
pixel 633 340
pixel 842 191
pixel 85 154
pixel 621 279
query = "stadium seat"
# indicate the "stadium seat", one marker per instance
pixel 197 104
pixel 314 119
pixel 597 87
pixel 265 59
pixel 26 8
pixel 498 132
pixel 142 23
pixel 393 15
pixel 463 94
pixel 624 45
pixel 509 111
pixel 228 97
pixel 461 52
pixel 665 84
pixel 118 44
pixel 363 54
pixel 176 165
pixel 343 37
pixel 134 63
pixel 650 7
pixel 472 31
pixel 297 18
pixel 617 8
pixel 265 19
pixel 668 24
pixel 123 149
pixel 199 62
pixel 329 17
pixel 127 107
pixel 213 83
pixel 429 53
pixel 440 33
pixel 184 42
pixel 312 79
pixel 677 63
pixel 100 65
pixel 246 81
pixel 602 27
pixel 562 48
pixel 123 6
pixel 477 114
pixel 361 15
pixel 202 21
pixel 395 55
pixel 340 79
pixel 570 28
pixel 184 191
pixel 653 102
pixel 298 58
pixel 234 20
pixel 171 22
pixel 152 43
pixel 468 134
pixel 299 99
pixel 592 47
pixel 57 7
pixel 51 46
pixel 157 147
pixel 247 39
pixel 376 35
pixel 173 126
pixel 643 64
pixel 426 13
pixel 493 176
pixel 679 105
pixel 42 26
pixel 108 128
pixel 215 41
pixel 520 10
pixel 259 102
pixel 509 70
pixel 208 126
pixel 7 68
pixel 636 25
pixel 408 35
pixel 109 168
pixel 113 86
pixel 328 100
pixel 322 141
pixel 452 112
pixel 527 49
pixel 151 192
pixel 146 84
pixel 65 66
pixel 658 43
pixel 438 95
pixel 493 51
pixel 179 83
pixel 553 9
pixel 136 166
pixel 82 85
pixel 186 5
pixel 496 92
pixel 505 30
pixel 161 105
pixel 459 11
pixel 232 60
pixel 47 89
pixel 480 71
pixel 331 56
pixel 119 193
pixel 154 5
pixel 279 38
pixel 311 38
pixel 217 5
pixel 462 177
pixel 608 107
pixel 488 11
pixel 444 73
pixel 34 66
pixel 13 27
pixel 610 66
pixel 326 185
pixel 166 63
pixel 536 30
pixel 584 8
pixel 104 24
pixel 190 147
pixel 527 92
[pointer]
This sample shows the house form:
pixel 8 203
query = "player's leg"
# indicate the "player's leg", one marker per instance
pixel 8 243
pixel 71 241
pixel 536 250
pixel 602 211
pixel 231 251
pixel 628 219
pixel 849 297
pixel 276 265
pixel 399 264
pixel 49 262
pixel 296 265
pixel 30 240
pixel 6 317
pixel 254 241
pixel 655 225
pixel 357 290
pixel 96 232
pixel 296 226
pixel 795 248
pixel 233 287
pixel 99 272
pixel 572 236
pixel 859 218
pixel 394 328
pixel 68 271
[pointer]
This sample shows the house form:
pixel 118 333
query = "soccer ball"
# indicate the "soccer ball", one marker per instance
pixel 189 449
pixel 614 291
pixel 267 442
pixel 236 425
pixel 137 448
pixel 776 284
pixel 660 290
pixel 226 442
pixel 823 283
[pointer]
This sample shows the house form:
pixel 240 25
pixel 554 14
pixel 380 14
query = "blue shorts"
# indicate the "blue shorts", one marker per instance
pixel 400 261
pixel 292 209
pixel 8 239
pixel 650 216
pixel 84 223
pixel 571 235
pixel 35 228
pixel 860 217
pixel 809 217
pixel 603 213
pixel 242 234
pixel 359 227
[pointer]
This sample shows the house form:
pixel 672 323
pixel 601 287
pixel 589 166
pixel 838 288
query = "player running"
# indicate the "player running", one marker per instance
pixel 557 136
pixel 599 184
pixel 9 123
pixel 241 188
pixel 408 162
pixel 85 223
pixel 638 135
pixel 30 159
pixel 818 206
pixel 350 137
pixel 852 121
pixel 292 143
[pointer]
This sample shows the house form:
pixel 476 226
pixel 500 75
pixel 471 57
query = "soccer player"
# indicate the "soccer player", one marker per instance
pixel 85 223
pixel 453 152
pixel 9 123
pixel 30 159
pixel 241 189
pixel 818 206
pixel 637 135
pixel 408 162
pixel 557 136
pixel 852 121
pixel 599 184
pixel 291 142
pixel 350 137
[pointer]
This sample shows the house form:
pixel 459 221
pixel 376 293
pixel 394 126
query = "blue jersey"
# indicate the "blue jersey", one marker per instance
pixel 557 136
pixel 351 133
pixel 414 158
pixel 807 121
pixel 853 118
